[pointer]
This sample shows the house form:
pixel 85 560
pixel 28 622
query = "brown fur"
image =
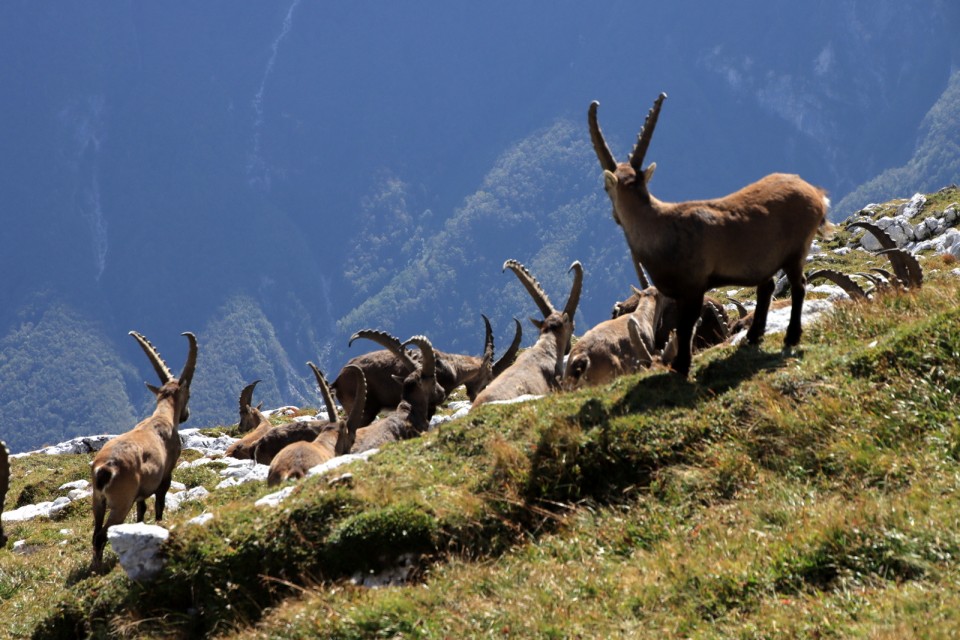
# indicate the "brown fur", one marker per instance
pixel 295 460
pixel 4 484
pixel 690 247
pixel 139 463
pixel 538 370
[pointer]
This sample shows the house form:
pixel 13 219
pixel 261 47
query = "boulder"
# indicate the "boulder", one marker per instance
pixel 139 548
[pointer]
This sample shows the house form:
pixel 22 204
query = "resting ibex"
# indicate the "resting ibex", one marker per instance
pixel 140 462
pixel 538 370
pixel 382 370
pixel 711 330
pixel 689 248
pixel 606 352
pixel 4 484
pixel 411 416
pixel 253 424
pixel 295 460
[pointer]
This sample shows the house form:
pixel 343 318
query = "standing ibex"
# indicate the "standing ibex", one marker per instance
pixel 411 416
pixel 295 460
pixel 538 370
pixel 4 484
pixel 140 462
pixel 384 368
pixel 689 248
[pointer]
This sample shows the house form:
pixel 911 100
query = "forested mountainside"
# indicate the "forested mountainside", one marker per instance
pixel 277 177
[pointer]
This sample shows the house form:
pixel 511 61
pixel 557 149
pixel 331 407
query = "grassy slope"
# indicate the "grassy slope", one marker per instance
pixel 809 495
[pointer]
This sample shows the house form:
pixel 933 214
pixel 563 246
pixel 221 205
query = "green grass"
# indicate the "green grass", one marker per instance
pixel 809 495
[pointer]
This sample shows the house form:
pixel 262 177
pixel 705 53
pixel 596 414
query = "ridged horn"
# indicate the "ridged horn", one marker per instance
pixel 246 396
pixel 646 133
pixel 600 147
pixel 531 285
pixel 883 272
pixel 488 346
pixel 571 307
pixel 882 236
pixel 510 354
pixel 325 392
pixel 905 266
pixel 355 419
pixel 186 376
pixel 641 274
pixel 388 341
pixel 163 371
pixel 428 357
pixel 741 310
pixel 842 280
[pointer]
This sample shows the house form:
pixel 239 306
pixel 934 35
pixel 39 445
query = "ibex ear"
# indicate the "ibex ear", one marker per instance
pixel 398 380
pixel 155 390
pixel 609 180
pixel 537 323
pixel 260 406
pixel 648 173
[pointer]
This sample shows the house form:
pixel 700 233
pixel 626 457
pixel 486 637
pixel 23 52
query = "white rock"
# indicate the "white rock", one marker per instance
pixel 913 206
pixel 28 512
pixel 76 484
pixel 79 494
pixel 524 398
pixel 175 500
pixel 138 546
pixel 177 486
pixel 208 445
pixel 274 499
pixel 201 519
pixel 842 251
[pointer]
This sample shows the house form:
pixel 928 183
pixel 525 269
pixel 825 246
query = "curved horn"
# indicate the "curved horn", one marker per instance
pixel 186 376
pixel 882 236
pixel 531 285
pixel 163 371
pixel 888 277
pixel 599 144
pixel 905 266
pixel 646 133
pixel 428 357
pixel 325 393
pixel 741 310
pixel 511 353
pixel 391 343
pixel 640 348
pixel 355 419
pixel 487 341
pixel 840 279
pixel 644 283
pixel 875 280
pixel 571 307
pixel 246 396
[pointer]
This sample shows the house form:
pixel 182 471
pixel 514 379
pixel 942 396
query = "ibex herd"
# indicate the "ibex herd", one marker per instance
pixel 687 248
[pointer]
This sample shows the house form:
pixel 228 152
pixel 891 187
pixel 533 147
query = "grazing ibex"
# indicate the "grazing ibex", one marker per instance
pixel 691 247
pixel 140 462
pixel 384 369
pixel 253 424
pixel 411 416
pixel 538 370
pixel 606 352
pixel 4 484
pixel 295 460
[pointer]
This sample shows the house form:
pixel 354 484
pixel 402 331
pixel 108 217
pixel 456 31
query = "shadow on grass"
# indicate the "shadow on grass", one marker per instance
pixel 668 390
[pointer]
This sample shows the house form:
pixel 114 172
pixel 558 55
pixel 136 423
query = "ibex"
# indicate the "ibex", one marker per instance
pixel 384 368
pixel 713 327
pixel 140 462
pixel 538 370
pixel 295 460
pixel 253 424
pixel 691 247
pixel 4 484
pixel 606 352
pixel 410 418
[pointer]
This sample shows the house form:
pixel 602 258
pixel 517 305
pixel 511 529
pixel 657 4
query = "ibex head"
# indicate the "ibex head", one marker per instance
pixel 553 319
pixel 250 416
pixel 170 386
pixel 625 180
